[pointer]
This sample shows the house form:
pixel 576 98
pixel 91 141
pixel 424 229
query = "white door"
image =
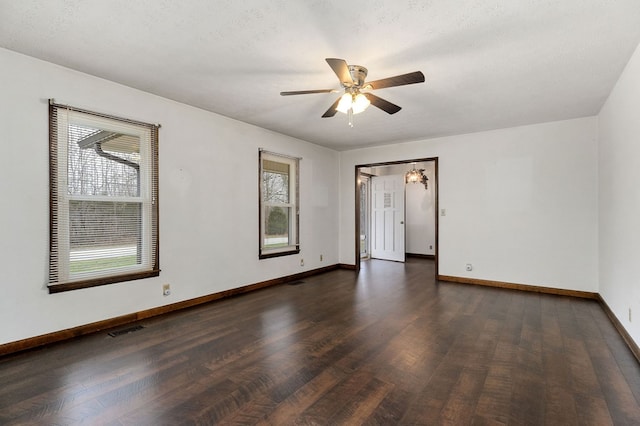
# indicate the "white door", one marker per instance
pixel 387 222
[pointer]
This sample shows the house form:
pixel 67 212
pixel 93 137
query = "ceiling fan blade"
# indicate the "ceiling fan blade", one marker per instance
pixel 308 92
pixel 340 67
pixel 398 80
pixel 332 110
pixel 384 105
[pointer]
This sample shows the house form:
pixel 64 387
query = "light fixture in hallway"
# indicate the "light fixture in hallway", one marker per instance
pixel 416 175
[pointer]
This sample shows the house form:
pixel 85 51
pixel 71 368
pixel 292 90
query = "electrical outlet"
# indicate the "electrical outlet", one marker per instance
pixel 301 262
pixel 321 258
pixel 469 267
pixel 166 289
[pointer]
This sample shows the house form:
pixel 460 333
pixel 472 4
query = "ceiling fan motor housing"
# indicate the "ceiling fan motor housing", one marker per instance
pixel 358 74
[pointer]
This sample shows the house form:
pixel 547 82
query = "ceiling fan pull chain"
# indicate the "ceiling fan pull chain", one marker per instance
pixel 350 115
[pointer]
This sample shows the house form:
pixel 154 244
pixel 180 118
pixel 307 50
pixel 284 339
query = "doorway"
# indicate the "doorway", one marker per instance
pixel 364 205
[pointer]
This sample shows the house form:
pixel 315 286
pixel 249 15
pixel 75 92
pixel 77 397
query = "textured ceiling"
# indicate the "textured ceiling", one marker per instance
pixel 488 64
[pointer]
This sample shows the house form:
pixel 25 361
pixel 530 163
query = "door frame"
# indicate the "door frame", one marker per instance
pixel 357 203
pixel 365 177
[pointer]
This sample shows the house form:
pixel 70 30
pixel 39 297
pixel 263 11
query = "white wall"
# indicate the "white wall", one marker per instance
pixel 619 191
pixel 208 201
pixel 521 203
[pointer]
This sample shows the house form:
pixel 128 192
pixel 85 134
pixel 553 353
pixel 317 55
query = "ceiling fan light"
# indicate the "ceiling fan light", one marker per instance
pixel 360 103
pixel 345 103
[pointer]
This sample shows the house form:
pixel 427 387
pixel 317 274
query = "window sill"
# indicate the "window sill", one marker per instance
pixel 269 255
pixel 77 285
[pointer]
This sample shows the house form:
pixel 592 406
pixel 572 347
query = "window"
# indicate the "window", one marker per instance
pixel 279 208
pixel 103 199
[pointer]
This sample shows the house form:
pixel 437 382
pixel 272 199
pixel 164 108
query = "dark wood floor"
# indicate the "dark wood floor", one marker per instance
pixel 388 346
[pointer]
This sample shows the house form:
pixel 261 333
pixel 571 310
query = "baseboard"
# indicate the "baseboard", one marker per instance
pixel 635 350
pixel 523 287
pixel 421 256
pixel 347 266
pixel 57 336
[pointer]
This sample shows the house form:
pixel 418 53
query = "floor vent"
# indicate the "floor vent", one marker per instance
pixel 296 282
pixel 125 331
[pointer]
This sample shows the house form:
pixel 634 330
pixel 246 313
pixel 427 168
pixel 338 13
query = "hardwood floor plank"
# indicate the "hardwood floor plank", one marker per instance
pixel 362 405
pixel 495 396
pixel 293 406
pixel 560 404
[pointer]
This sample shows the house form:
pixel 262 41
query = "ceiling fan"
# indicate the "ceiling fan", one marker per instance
pixel 354 100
